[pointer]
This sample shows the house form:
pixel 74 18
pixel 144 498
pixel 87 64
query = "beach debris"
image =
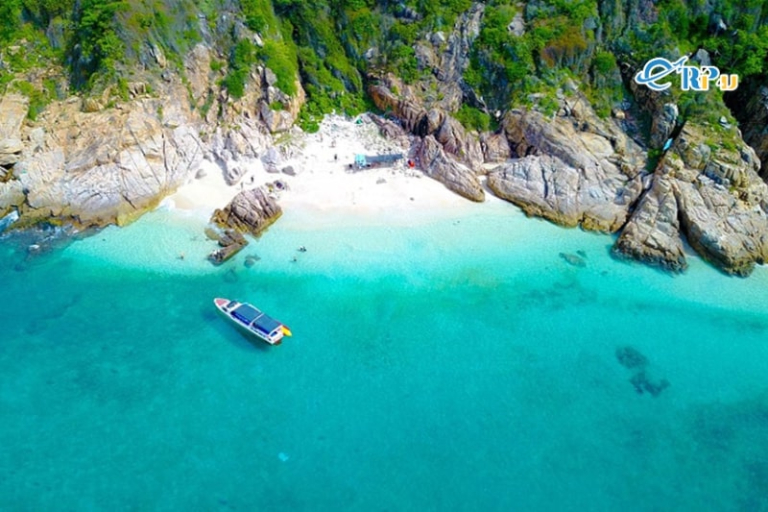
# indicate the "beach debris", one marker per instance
pixel 631 358
pixel 573 259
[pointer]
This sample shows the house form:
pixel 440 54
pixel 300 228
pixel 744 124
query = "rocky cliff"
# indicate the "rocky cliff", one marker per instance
pixel 560 130
pixel 93 161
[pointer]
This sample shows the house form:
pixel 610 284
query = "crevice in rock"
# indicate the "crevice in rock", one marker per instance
pixel 749 105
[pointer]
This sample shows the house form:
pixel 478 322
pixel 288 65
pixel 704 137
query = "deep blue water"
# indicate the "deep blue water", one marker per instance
pixel 457 364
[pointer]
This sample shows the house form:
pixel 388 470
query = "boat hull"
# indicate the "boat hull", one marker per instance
pixel 227 307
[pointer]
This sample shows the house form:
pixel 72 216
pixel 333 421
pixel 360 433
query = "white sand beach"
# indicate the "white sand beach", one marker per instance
pixel 324 182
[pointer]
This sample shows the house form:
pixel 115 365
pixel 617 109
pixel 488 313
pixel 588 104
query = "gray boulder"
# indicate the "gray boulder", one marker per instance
pixel 437 164
pixel 251 211
pixel 107 167
pixel 495 147
pixel 725 230
pixel 272 160
pixel 545 186
pixel 10 151
pixel 653 233
pixel 664 122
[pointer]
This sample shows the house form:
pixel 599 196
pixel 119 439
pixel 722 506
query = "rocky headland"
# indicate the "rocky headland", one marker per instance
pixel 97 159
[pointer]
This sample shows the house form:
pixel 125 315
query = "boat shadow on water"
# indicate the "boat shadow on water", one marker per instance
pixel 236 337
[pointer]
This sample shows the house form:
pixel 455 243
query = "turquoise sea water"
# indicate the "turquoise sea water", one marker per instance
pixel 456 364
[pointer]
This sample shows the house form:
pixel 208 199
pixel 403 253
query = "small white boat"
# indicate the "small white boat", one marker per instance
pixel 253 321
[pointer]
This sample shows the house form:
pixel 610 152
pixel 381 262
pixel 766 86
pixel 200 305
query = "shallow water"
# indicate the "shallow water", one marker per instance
pixel 458 364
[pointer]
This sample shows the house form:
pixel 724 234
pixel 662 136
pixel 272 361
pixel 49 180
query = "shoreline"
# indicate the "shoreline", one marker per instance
pixel 324 183
pixel 324 193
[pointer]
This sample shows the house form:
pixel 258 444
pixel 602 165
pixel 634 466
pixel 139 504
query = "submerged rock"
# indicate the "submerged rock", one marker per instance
pixel 573 259
pixel 630 357
pixel 251 260
pixel 641 380
pixel 643 383
pixel 231 242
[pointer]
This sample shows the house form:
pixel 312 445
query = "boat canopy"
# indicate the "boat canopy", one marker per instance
pixel 266 324
pixel 246 313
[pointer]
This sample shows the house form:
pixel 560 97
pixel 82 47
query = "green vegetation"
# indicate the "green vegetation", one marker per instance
pixel 95 37
pixel 334 46
pixel 280 58
pixel 243 58
pixel 473 119
pixel 38 99
pixel 558 44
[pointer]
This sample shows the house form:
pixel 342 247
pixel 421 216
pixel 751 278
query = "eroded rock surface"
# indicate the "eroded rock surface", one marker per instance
pixel 251 211
pixel 544 186
pixel 455 176
pixel 109 166
pixel 723 203
pixel 653 233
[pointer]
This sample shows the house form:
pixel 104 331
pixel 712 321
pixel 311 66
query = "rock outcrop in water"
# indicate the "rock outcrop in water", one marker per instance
pixel 652 234
pixel 713 198
pixel 573 170
pixel 109 166
pixel 251 211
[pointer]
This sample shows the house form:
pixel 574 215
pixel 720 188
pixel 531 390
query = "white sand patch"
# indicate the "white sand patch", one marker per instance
pixel 324 181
